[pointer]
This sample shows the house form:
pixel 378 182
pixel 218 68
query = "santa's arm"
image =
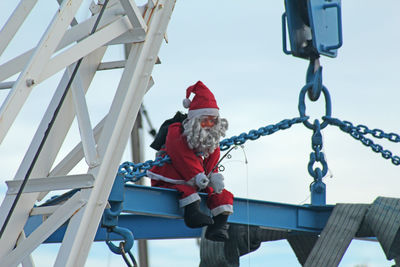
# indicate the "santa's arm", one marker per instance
pixel 210 163
pixel 216 179
pixel 184 159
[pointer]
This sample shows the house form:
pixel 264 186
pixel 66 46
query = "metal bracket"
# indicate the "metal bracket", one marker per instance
pixel 314 26
pixel 110 217
pixel 326 24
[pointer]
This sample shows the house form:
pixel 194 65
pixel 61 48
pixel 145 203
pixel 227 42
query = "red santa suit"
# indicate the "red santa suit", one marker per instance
pixel 185 166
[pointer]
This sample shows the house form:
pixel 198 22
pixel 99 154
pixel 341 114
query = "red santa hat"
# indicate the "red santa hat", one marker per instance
pixel 203 103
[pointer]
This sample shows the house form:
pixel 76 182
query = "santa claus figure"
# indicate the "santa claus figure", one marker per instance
pixel 193 146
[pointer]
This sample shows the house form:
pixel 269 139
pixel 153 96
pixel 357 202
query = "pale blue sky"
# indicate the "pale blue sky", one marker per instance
pixel 235 48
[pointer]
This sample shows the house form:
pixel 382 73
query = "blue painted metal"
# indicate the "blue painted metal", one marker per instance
pixel 317 155
pixel 263 131
pixel 318 190
pixel 284 33
pixel 164 202
pixel 313 25
pixel 153 213
pixel 297 24
pixel 111 215
pixel 326 24
pixel 314 78
pixel 55 200
pixel 117 191
pixel 116 200
pixel 133 172
pixel 302 105
pixel 359 133
pixel 143 227
pixel 125 235
pixel 317 187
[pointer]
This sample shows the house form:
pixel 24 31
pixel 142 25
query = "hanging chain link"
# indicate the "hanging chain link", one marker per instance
pixel 263 131
pixel 377 133
pixel 314 88
pixel 133 172
pixel 317 155
pixel 359 132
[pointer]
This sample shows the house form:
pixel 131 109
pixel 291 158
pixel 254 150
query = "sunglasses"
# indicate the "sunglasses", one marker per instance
pixel 208 121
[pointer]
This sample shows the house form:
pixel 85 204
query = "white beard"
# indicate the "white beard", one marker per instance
pixel 204 140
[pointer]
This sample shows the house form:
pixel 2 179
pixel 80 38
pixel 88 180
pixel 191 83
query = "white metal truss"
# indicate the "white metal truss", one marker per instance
pixel 65 42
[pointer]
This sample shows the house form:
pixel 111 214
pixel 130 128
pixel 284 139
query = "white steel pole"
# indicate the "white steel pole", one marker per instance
pixel 22 88
pixel 85 127
pixel 48 154
pixel 72 35
pixel 14 22
pixel 83 226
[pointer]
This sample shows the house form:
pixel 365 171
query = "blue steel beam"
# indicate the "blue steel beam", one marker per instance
pixel 153 213
pixel 142 227
pixel 164 202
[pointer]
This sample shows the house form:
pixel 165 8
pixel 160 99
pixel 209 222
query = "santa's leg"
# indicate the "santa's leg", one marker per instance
pixel 194 218
pixel 190 201
pixel 221 207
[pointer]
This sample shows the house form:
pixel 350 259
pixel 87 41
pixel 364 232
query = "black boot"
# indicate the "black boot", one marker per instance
pixel 219 230
pixel 194 218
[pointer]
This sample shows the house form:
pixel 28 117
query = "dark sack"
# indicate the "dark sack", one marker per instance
pixel 159 140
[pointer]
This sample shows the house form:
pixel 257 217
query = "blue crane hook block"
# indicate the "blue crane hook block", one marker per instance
pixel 326 24
pixel 315 26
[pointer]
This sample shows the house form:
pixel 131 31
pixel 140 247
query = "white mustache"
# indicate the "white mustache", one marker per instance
pixel 204 140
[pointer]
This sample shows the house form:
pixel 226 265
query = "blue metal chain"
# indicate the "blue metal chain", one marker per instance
pixel 359 132
pixel 314 88
pixel 302 105
pixel 314 80
pixel 317 187
pixel 133 172
pixel 377 133
pixel 263 131
pixel 317 155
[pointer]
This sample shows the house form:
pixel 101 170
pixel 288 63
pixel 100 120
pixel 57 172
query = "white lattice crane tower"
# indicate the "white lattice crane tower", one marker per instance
pixel 63 44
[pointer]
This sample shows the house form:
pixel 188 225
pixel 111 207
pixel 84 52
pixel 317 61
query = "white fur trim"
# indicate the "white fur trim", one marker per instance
pixel 192 181
pixel 188 200
pixel 156 176
pixel 217 182
pixel 186 103
pixel 223 208
pixel 216 176
pixel 201 180
pixel 203 111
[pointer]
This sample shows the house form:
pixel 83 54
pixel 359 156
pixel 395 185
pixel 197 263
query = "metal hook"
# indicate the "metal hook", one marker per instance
pixel 314 79
pixel 127 236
